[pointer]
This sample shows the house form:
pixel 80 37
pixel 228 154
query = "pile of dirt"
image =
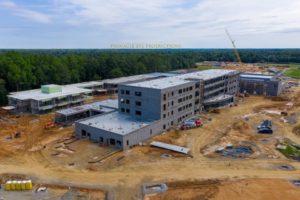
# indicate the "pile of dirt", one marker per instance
pixel 240 126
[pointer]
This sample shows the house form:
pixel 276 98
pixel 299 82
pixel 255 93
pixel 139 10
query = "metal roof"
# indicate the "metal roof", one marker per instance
pixel 218 98
pixel 256 76
pixel 115 122
pixel 170 147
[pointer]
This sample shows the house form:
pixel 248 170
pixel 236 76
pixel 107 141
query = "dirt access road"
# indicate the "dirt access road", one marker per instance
pixel 123 181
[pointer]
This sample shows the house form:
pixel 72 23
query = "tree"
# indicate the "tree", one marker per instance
pixel 116 72
pixel 3 92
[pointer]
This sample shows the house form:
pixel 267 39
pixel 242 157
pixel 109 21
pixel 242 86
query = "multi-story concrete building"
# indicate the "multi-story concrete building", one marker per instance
pixel 149 107
pixel 54 97
pixel 48 98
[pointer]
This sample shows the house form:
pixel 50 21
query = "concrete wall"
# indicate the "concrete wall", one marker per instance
pixel 95 134
pixel 121 141
pixel 150 100
pixel 261 87
pixel 172 105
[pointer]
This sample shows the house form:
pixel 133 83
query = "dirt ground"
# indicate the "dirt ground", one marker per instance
pixel 54 156
pixel 250 189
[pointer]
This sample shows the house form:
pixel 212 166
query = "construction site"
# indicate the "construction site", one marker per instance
pixel 218 157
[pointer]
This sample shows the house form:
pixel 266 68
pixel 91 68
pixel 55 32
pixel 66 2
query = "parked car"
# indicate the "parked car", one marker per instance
pixel 191 123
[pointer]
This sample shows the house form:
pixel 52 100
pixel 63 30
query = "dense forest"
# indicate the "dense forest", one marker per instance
pixel 26 69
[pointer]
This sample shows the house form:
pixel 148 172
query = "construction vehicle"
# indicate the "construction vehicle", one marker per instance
pixel 265 127
pixel 237 55
pixel 49 125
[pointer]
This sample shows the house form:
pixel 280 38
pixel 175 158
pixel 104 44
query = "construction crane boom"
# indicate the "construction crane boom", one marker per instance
pixel 234 48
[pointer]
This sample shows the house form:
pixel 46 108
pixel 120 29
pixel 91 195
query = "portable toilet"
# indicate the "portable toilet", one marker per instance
pixel 28 185
pixel 23 185
pixel 13 185
pixel 8 185
pixel 18 185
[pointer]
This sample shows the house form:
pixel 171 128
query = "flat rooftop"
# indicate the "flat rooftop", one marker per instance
pixel 105 106
pixel 38 95
pixel 208 74
pixel 176 80
pixel 256 76
pixel 161 83
pixel 115 122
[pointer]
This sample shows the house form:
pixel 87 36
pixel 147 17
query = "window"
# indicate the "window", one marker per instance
pixel 172 93
pixel 172 123
pixel 180 91
pixel 101 139
pixel 83 132
pixel 191 88
pixel 164 126
pixel 127 110
pixel 137 112
pixel 127 142
pixel 122 109
pixel 164 107
pixel 119 143
pixel 172 112
pixel 164 116
pixel 127 101
pixel 127 92
pixel 165 97
pixel 122 91
pixel 138 103
pixel 138 94
pixel 150 131
pixel 191 96
pixel 172 103
pixel 112 141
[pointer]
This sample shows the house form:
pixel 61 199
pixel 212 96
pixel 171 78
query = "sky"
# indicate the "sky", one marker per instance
pixel 188 23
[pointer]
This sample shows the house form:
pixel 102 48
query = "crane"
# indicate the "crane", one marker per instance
pixel 234 48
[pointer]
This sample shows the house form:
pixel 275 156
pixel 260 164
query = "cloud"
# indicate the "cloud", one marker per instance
pixel 192 23
pixel 24 12
pixel 242 16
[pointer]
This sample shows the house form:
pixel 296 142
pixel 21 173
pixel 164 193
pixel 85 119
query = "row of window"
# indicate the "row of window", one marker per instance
pixel 215 87
pixel 127 101
pixel 137 112
pixel 127 92
pixel 185 107
pixel 185 98
pixel 180 91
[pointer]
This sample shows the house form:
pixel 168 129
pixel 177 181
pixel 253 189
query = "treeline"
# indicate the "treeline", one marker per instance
pixel 27 69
